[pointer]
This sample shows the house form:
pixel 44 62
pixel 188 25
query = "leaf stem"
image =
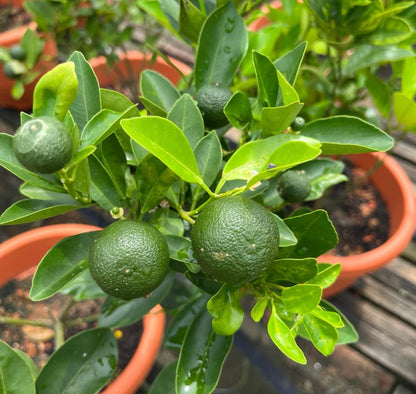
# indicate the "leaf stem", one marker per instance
pixel 25 322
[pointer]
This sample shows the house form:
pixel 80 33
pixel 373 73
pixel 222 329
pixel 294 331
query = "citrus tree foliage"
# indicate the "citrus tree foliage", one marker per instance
pixel 163 165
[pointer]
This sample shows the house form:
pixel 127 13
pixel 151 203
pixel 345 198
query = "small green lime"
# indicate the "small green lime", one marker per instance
pixel 43 145
pixel 211 101
pixel 235 240
pixel 129 259
pixel 294 186
pixel 17 52
pixel 298 124
pixel 11 71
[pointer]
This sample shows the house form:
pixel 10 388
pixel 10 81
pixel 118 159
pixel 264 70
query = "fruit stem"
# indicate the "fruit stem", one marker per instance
pixel 185 215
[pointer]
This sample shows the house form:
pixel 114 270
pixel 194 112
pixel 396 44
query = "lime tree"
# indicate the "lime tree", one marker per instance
pixel 294 186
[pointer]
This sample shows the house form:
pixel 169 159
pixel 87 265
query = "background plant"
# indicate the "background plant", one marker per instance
pixel 162 165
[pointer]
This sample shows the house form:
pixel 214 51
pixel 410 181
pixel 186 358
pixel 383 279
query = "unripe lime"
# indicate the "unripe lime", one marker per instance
pixel 211 101
pixel 294 186
pixel 10 71
pixel 129 259
pixel 235 240
pixel 17 52
pixel 298 124
pixel 43 145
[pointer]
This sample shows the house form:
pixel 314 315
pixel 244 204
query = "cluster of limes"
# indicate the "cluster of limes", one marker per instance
pixel 13 68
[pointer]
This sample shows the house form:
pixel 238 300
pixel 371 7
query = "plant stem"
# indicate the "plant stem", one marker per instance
pixel 24 322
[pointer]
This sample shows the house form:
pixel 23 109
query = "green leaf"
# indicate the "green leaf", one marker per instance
pixel 88 100
pixel 153 180
pixel 158 90
pixel 83 364
pixel 102 187
pixel 25 211
pixel 404 110
pixel 380 93
pixel 83 287
pixel 322 334
pixel 164 382
pixel 156 135
pixel 315 234
pixel 275 120
pixel 282 337
pixel 186 115
pixel 55 91
pixel 201 358
pixel 267 80
pixel 289 64
pixel 368 55
pixel 15 374
pixel 116 312
pixel 180 249
pixel 327 276
pixel 190 20
pixel 167 221
pixel 301 298
pixel 176 331
pixel 238 110
pixel 225 308
pixel 33 46
pixel 287 238
pixel 208 154
pixel 292 270
pixel 333 318
pixel 221 47
pixel 117 102
pixel 61 264
pixel 347 134
pixel 287 91
pixel 347 333
pixel 257 312
pixel 9 161
pixel 409 77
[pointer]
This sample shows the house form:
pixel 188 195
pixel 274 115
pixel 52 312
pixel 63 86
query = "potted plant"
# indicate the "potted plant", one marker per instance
pixel 190 228
pixel 346 71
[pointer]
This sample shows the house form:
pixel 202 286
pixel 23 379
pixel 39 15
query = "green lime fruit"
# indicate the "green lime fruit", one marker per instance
pixel 10 71
pixel 211 101
pixel 17 52
pixel 294 186
pixel 235 240
pixel 43 145
pixel 129 259
pixel 297 124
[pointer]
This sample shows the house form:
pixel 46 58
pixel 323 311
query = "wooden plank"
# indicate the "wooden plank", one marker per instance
pixel 410 252
pixel 405 151
pixel 385 339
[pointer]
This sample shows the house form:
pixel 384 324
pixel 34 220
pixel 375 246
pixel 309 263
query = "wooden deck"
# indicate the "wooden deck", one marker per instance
pixel 382 306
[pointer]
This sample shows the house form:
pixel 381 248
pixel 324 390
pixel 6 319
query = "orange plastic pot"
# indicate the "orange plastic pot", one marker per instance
pixel 131 64
pixel 19 257
pixel 397 192
pixel 48 60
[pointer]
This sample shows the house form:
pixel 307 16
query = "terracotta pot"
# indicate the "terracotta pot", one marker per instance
pixel 13 3
pixel 135 62
pixel 19 257
pixel 263 21
pixel 397 192
pixel 47 61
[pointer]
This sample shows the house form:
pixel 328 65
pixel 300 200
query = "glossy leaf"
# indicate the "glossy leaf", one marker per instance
pixel 191 20
pixel 15 374
pixel 286 236
pixel 167 221
pixel 180 249
pixel 292 270
pixel 117 102
pixel 380 93
pixel 289 64
pixel 301 298
pixel 322 334
pixel 83 287
pixel 333 318
pixel 116 312
pixel 156 135
pixel 257 312
pixel 347 333
pixel 221 47
pixel 315 234
pixel 153 180
pixel 83 364
pixel 61 264
pixel 282 337
pixel 9 161
pixel 25 211
pixel 327 276
pixel 201 358
pixel 176 331
pixel 347 134
pixel 88 100
pixel 158 90
pixel 267 80
pixel 186 115
pixel 287 91
pixel 55 91
pixel 238 110
pixel 102 187
pixel 276 120
pixel 225 308
pixel 404 108
pixel 164 382
pixel 409 77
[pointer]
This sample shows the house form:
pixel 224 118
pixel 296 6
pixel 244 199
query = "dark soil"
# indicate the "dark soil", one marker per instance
pixel 11 17
pixel 38 342
pixel 358 213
